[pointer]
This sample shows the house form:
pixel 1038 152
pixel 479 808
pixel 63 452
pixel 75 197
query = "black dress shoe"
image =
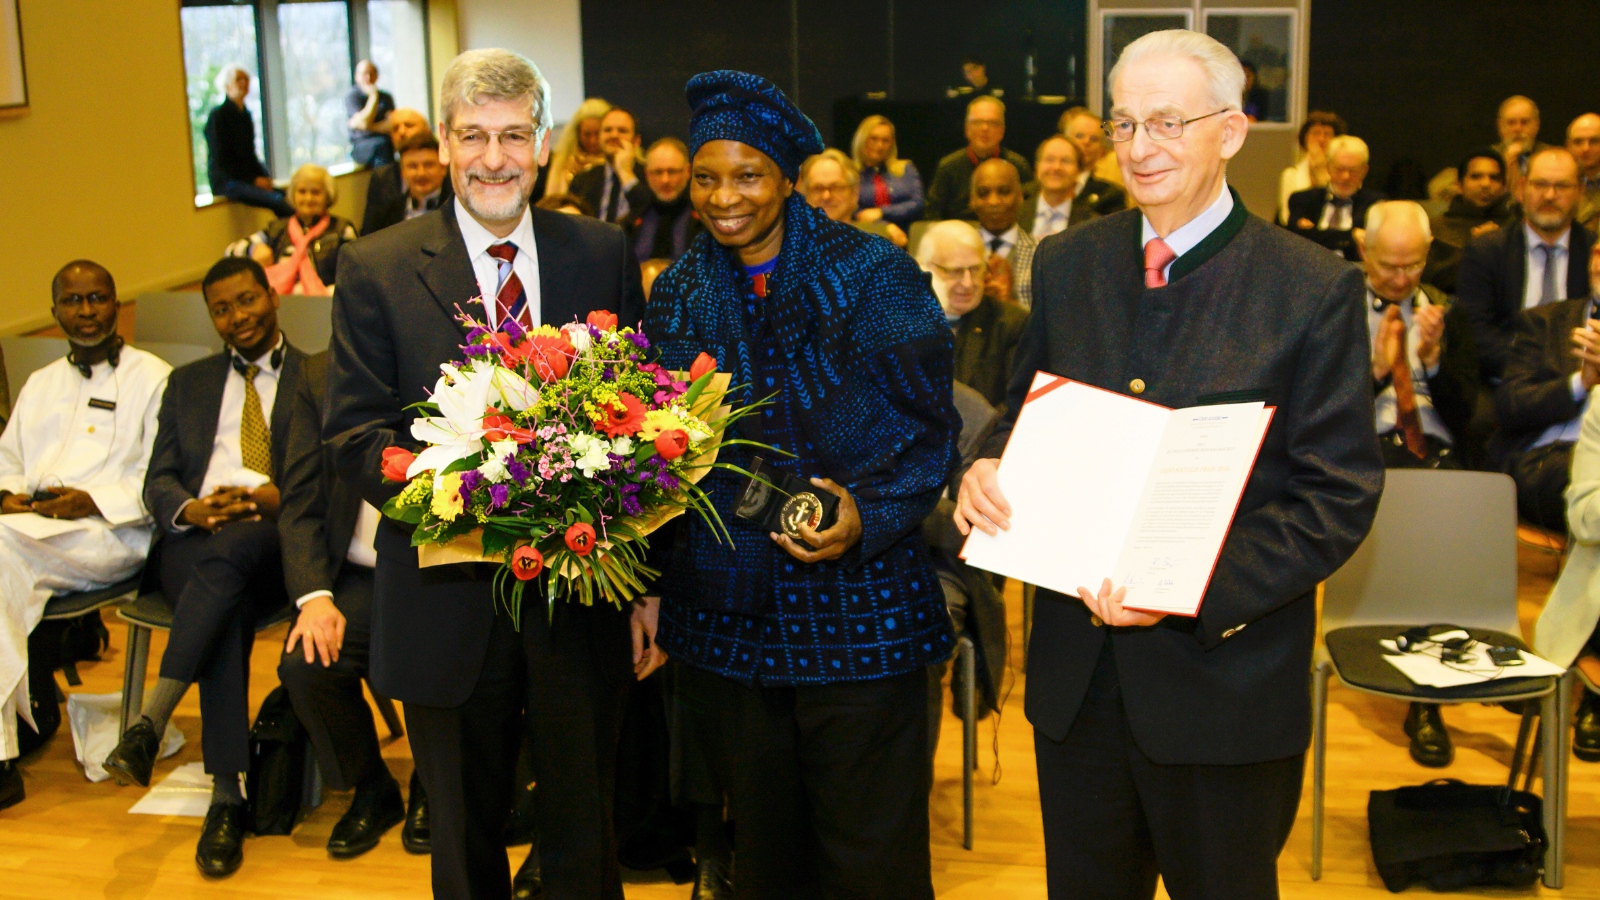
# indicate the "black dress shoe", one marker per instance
pixel 1430 742
pixel 416 836
pixel 221 848
pixel 372 812
pixel 714 880
pixel 135 756
pixel 11 792
pixel 1585 731
pixel 528 884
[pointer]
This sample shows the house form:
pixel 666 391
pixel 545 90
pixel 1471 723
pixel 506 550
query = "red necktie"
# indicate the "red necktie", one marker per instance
pixel 880 190
pixel 512 300
pixel 1156 257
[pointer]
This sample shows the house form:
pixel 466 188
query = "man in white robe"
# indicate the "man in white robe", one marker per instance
pixel 82 431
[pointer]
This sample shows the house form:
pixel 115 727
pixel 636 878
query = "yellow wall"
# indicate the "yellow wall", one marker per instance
pixel 100 167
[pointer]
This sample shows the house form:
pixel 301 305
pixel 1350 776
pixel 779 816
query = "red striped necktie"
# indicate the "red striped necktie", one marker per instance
pixel 511 301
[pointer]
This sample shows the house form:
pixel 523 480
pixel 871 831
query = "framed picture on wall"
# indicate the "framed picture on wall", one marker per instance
pixel 1264 41
pixel 13 77
pixel 1117 29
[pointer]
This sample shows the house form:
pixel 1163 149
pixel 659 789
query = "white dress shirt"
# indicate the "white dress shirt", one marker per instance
pixel 361 551
pixel 1533 288
pixel 1386 404
pixel 1051 219
pixel 226 468
pixel 1009 240
pixel 487 269
pixel 1187 236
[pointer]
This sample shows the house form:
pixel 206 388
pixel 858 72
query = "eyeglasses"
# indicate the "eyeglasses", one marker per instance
pixel 1552 187
pixel 956 275
pixel 1388 271
pixel 1159 128
pixel 510 139
pixel 96 299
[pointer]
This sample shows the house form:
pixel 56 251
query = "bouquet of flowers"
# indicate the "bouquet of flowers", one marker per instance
pixel 556 452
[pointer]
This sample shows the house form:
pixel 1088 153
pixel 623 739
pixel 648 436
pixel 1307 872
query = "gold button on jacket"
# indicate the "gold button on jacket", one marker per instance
pixel 1136 385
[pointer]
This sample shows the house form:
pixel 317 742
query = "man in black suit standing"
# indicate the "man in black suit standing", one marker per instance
pixel 1515 268
pixel 1165 745
pixel 212 489
pixel 465 671
pixel 1331 215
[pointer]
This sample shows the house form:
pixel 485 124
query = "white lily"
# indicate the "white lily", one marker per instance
pixel 457 432
pixel 514 390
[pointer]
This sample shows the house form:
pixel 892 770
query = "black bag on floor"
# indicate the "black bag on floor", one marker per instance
pixel 1450 835
pixel 278 747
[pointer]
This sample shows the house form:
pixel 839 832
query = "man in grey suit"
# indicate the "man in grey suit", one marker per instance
pixel 1175 746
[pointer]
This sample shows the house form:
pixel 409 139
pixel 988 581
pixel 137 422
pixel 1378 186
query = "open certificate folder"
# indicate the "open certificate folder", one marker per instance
pixel 1106 486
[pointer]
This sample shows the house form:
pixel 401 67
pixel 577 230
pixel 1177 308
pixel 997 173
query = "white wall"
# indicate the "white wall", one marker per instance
pixel 546 31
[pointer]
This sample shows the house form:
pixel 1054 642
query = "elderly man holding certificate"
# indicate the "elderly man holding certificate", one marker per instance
pixel 1173 745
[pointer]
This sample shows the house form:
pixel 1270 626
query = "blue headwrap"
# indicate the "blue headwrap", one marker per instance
pixel 737 106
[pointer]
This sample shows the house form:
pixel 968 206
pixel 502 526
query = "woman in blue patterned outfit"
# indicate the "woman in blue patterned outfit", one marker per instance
pixel 811 654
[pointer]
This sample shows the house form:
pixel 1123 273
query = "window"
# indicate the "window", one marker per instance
pixel 1119 29
pixel 1263 41
pixel 301 57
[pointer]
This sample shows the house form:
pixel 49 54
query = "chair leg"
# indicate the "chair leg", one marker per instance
pixel 135 661
pixel 1319 759
pixel 1535 753
pixel 311 783
pixel 969 734
pixel 1028 591
pixel 1554 731
pixel 1524 734
pixel 391 716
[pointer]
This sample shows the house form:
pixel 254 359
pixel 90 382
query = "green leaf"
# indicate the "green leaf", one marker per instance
pixel 463 464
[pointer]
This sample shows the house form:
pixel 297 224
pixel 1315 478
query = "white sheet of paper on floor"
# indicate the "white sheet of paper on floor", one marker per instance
pixel 186 792
pixel 1427 670
pixel 95 720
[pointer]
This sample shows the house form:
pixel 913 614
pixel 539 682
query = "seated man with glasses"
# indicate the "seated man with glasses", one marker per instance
pixel 987 329
pixel 831 182
pixel 72 464
pixel 1330 215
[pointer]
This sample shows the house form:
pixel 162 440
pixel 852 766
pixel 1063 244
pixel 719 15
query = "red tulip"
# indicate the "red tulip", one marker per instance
pixel 603 320
pixel 551 356
pixel 672 444
pixel 527 562
pixel 580 538
pixel 702 364
pixel 497 427
pixel 396 460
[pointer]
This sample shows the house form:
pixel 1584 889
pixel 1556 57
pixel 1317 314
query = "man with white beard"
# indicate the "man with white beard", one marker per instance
pixel 75 451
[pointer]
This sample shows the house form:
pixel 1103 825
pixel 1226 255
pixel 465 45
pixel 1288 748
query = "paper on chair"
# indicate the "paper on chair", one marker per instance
pixel 1106 486
pixel 41 527
pixel 186 792
pixel 1427 670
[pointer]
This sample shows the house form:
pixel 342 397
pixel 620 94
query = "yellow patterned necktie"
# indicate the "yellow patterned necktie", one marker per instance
pixel 255 441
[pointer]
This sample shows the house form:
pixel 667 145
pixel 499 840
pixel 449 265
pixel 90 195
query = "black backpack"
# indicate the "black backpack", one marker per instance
pixel 1451 835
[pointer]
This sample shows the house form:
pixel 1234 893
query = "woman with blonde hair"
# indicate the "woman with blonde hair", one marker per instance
pixel 578 149
pixel 301 251
pixel 891 189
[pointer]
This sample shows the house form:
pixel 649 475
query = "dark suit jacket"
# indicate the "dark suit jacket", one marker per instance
pixel 1262 314
pixel 382 187
pixel 1103 197
pixel 393 324
pixel 590 184
pixel 394 212
pixel 188 430
pixel 1309 203
pixel 1491 278
pixel 1082 211
pixel 318 510
pixel 986 342
pixel 1536 391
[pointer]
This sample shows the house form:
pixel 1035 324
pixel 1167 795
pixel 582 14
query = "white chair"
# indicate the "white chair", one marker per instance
pixel 26 355
pixel 174 317
pixel 1443 549
pixel 308 321
pixel 175 355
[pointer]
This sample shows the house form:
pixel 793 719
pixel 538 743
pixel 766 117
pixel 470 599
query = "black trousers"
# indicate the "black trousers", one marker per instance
pixel 571 673
pixel 830 790
pixel 1114 820
pixel 1542 474
pixel 329 700
pixel 221 585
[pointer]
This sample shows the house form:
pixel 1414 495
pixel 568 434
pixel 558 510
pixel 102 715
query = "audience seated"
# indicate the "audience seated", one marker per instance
pixel 1051 209
pixel 232 167
pixel 212 489
pixel 830 182
pixel 300 252
pixel 1552 366
pixel 578 149
pixel 1311 169
pixel 891 187
pixel 986 129
pixel 615 189
pixel 427 187
pixel 76 447
pixel 996 201
pixel 1518 124
pixel 1481 206
pixel 326 531
pixel 1583 141
pixel 986 328
pixel 1100 179
pixel 369 109
pixel 385 183
pixel 1517 268
pixel 664 227
pixel 1330 215
pixel 567 203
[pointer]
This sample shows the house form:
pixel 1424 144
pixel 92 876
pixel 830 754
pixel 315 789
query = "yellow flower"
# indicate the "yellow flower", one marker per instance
pixel 657 421
pixel 447 496
pixel 546 330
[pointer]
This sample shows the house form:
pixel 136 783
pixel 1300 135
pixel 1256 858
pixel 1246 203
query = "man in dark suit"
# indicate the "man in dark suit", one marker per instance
pixel 615 191
pixel 1054 206
pixel 212 490
pixel 465 671
pixel 1550 373
pixel 426 187
pixel 1516 268
pixel 1095 190
pixel 385 184
pixel 1331 215
pixel 986 328
pixel 1175 746
pixel 949 193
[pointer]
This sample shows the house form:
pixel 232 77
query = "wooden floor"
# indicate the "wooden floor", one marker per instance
pixel 74 839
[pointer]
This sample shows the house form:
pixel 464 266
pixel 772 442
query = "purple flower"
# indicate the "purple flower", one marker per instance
pixel 639 340
pixel 513 330
pixel 470 479
pixel 477 349
pixel 517 471
pixel 666 480
pixel 630 500
pixel 499 495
